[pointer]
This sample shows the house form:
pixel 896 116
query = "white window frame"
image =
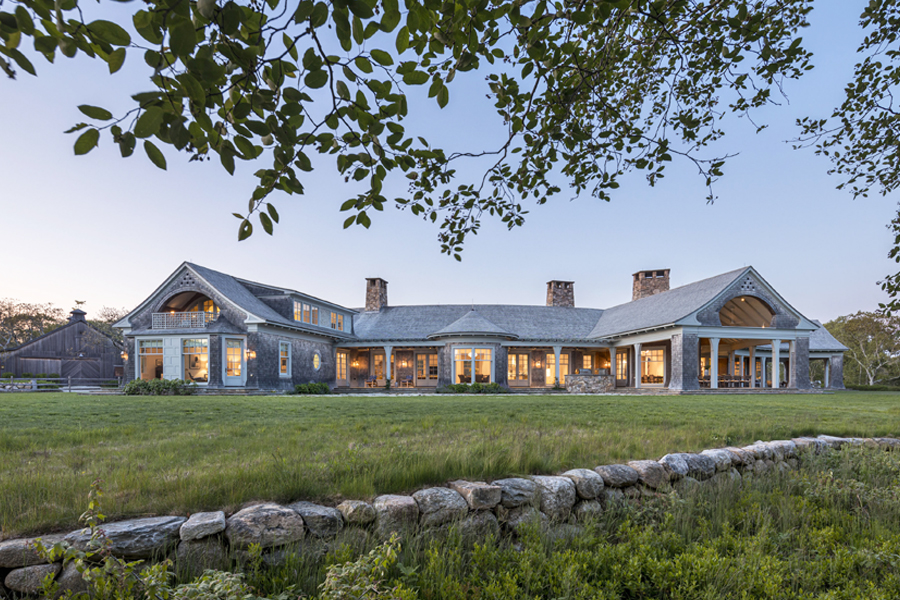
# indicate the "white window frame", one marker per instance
pixel 472 350
pixel 287 345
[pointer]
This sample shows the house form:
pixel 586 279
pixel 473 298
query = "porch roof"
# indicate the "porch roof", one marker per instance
pixel 472 323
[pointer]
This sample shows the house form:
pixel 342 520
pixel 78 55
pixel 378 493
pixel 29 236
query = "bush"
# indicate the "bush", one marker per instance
pixel 28 375
pixel 312 388
pixel 7 375
pixel 874 388
pixel 54 376
pixel 160 387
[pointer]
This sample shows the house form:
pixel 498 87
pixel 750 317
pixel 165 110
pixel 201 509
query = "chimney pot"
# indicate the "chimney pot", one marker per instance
pixel 648 283
pixel 376 294
pixel 561 293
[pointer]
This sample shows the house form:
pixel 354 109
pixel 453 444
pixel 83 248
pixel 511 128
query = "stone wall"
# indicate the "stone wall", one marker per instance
pixel 590 384
pixel 216 540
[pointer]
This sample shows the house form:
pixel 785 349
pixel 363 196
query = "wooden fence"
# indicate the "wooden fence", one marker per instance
pixel 59 384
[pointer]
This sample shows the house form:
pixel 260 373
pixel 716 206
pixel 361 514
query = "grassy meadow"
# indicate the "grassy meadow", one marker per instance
pixel 167 455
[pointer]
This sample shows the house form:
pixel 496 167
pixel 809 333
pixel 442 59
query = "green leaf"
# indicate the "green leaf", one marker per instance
pixel 415 78
pixel 362 63
pixel 382 58
pixel 95 112
pixel 319 15
pixel 304 9
pixel 115 60
pixel 443 96
pixel 149 122
pixel 86 141
pixel 245 231
pixel 266 222
pixel 155 156
pixel 390 20
pixel 46 44
pixel 363 219
pixel 110 32
pixel 342 90
pixel 21 60
pixel 182 37
pixel 361 9
pixel 23 20
pixel 316 79
pixel 272 212
pixel 402 42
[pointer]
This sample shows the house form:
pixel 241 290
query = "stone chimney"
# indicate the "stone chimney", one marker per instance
pixel 376 294
pixel 77 316
pixel 647 283
pixel 561 293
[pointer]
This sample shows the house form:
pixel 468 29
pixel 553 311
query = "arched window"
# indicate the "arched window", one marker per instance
pixel 746 311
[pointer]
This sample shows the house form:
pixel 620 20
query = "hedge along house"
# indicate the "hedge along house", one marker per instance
pixel 74 350
pixel 723 332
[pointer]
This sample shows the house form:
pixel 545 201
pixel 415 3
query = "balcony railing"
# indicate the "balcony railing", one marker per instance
pixel 183 320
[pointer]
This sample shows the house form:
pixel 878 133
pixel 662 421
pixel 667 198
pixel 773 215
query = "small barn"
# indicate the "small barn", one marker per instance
pixel 75 350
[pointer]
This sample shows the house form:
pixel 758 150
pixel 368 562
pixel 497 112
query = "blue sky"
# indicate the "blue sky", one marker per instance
pixel 108 231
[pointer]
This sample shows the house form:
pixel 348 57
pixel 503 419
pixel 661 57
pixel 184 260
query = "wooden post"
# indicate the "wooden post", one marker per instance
pixel 70 383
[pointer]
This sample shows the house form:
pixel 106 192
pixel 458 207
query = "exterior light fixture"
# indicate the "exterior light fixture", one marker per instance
pixel 537 364
pixel 124 355
pixel 250 354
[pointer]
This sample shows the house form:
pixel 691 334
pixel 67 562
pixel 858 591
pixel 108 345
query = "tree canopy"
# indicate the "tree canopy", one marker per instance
pixel 586 91
pixel 873 342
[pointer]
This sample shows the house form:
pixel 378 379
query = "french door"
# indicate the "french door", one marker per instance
pixel 517 372
pixel 234 363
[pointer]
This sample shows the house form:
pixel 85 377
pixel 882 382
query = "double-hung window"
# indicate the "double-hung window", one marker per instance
pixel 473 365
pixel 284 359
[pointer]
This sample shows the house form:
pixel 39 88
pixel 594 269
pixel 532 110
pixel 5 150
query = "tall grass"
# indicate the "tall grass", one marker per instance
pixel 831 531
pixel 183 454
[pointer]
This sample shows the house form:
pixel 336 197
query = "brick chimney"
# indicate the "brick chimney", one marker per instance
pixel 648 283
pixel 376 294
pixel 561 293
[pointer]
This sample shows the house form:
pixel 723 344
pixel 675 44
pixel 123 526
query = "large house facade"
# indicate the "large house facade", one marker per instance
pixel 729 331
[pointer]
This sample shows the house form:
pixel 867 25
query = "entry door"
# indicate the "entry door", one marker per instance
pixel 342 378
pixel 234 362
pixel 622 369
pixel 517 373
pixel 426 369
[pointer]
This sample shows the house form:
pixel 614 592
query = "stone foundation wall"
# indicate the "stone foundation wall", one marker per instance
pixel 590 384
pixel 215 540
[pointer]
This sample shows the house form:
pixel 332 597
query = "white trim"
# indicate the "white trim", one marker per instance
pixel 290 360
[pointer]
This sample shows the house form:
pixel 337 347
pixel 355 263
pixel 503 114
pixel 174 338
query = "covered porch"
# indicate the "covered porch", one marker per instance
pixel 407 366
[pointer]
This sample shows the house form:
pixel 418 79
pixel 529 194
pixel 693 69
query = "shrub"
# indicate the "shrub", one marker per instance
pixel 160 387
pixel 28 375
pixel 475 388
pixel 8 375
pixel 312 388
pixel 54 376
pixel 874 388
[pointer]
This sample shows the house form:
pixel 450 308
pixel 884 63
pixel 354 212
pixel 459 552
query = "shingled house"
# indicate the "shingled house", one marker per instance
pixel 729 331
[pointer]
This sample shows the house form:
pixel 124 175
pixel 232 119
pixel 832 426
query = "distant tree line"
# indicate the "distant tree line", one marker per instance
pixel 873 339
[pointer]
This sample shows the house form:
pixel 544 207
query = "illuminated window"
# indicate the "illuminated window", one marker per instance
pixel 233 358
pixel 306 313
pixel 587 362
pixel 517 370
pixel 314 312
pixel 150 353
pixel 472 365
pixel 195 356
pixel 551 368
pixel 298 311
pixel 653 366
pixel 337 321
pixel 284 359
pixel 317 361
pixel 621 366
pixel 426 367
pixel 377 364
pixel 341 366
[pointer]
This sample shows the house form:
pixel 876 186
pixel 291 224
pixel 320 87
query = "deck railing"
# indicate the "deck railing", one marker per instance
pixel 183 320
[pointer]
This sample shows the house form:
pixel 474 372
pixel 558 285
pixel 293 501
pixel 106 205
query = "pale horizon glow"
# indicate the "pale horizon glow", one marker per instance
pixel 108 230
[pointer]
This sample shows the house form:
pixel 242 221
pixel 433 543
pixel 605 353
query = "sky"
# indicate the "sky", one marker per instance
pixel 108 231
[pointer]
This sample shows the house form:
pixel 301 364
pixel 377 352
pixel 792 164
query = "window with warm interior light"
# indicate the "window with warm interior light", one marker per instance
pixel 517 368
pixel 298 311
pixel 377 364
pixel 653 366
pixel 426 369
pixel 341 366
pixel 150 353
pixel 195 358
pixel 234 360
pixel 314 315
pixel 587 362
pixel 284 359
pixel 621 366
pixel 551 368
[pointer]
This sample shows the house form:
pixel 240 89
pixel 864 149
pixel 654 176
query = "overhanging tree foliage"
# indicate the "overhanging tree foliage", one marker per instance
pixel 587 90
pixel 873 340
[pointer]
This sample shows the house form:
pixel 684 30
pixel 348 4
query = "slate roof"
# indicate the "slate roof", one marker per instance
pixel 396 323
pixel 472 323
pixel 664 308
pixel 821 340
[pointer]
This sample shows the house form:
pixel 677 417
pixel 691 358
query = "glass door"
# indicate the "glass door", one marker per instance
pixel 234 362
pixel 621 369
pixel 342 377
pixel 517 373
pixel 426 369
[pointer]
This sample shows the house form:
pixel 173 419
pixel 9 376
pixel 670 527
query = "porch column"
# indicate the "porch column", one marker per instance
pixel 753 366
pixel 789 367
pixel 637 365
pixel 388 359
pixel 714 363
pixel 556 351
pixel 731 363
pixel 762 376
pixel 612 362
pixel 827 373
pixel 776 364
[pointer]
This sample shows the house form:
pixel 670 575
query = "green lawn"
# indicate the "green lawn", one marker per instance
pixel 182 454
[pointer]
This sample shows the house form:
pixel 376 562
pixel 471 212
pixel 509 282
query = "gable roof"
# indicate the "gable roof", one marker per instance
pixel 821 340
pixel 471 323
pixel 546 323
pixel 664 308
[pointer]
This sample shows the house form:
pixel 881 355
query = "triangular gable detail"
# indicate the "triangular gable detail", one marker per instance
pixel 750 284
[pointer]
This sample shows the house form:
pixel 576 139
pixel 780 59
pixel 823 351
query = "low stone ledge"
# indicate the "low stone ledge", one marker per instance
pixel 266 524
pixel 588 484
pixel 201 525
pixel 617 476
pixel 357 512
pixel 478 494
pixel 322 521
pixel 590 384
pixel 516 491
pixel 439 505
pixel 557 496
pixel 395 514
pixel 650 473
pixel 21 552
pixel 133 539
pixel 29 580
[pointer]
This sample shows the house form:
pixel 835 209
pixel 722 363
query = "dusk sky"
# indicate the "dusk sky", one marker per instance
pixel 109 230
